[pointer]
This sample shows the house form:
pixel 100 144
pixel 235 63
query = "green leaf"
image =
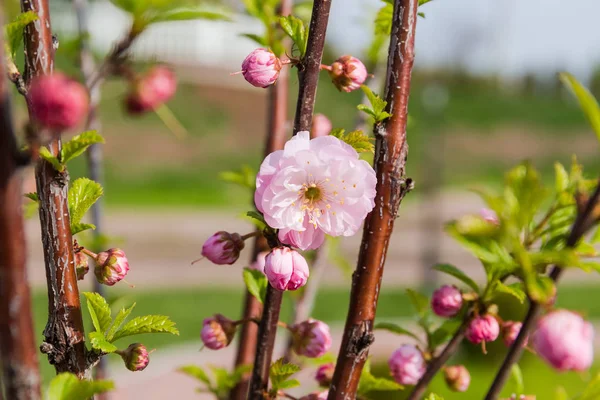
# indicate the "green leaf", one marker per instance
pixel 147 324
pixel 383 20
pixel 83 194
pixel 587 102
pixel 78 144
pixel 66 386
pixel 32 196
pixel 295 29
pixel 433 396
pixel 196 372
pixel 369 383
pixel 188 14
pixel 46 155
pixel 514 290
pixel 378 105
pixel 258 219
pixel 280 372
pixel 257 283
pixel 394 328
pixel 130 6
pixel 119 320
pixel 458 274
pixel 99 311
pixel 561 177
pixel 359 141
pixel 246 177
pixel 290 383
pixel 516 378
pixel 77 228
pixel 13 31
pixel 592 390
pixel 541 289
pixel 444 332
pixel 595 239
pixel 99 342
pixel 420 302
pixel 261 40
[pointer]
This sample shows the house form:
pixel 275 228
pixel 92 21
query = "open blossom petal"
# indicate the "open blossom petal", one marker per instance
pixel 320 183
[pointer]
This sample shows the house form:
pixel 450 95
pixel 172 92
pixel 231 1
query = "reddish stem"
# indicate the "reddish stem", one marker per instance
pixel 390 159
pixel 20 372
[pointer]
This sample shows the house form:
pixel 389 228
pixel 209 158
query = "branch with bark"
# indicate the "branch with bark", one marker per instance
pixel 391 151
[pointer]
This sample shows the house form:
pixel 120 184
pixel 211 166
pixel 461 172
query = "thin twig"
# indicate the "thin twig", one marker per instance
pixel 583 222
pixel 20 371
pixel 392 184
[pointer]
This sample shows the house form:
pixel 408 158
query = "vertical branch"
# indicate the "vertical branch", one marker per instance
pixel 585 220
pixel 308 72
pixel 390 158
pixel 20 372
pixel 64 335
pixel 94 152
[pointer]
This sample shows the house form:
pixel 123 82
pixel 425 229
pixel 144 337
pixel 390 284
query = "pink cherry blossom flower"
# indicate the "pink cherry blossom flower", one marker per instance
pixel 320 183
pixel 446 301
pixel 564 340
pixel 407 365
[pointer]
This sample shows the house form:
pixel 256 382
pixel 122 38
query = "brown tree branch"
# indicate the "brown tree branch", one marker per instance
pixel 20 371
pixel 390 158
pixel 64 335
pixel 583 223
pixel 308 72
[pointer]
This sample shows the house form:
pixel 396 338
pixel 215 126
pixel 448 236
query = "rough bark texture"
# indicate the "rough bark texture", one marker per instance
pixel 20 372
pixel 64 336
pixel 390 158
pixel 308 72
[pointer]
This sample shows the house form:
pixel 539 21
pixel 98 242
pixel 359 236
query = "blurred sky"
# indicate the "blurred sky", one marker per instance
pixel 509 37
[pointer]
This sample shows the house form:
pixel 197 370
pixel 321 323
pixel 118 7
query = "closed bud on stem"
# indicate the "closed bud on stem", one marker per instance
pixel 111 266
pixel 407 365
pixel 348 73
pixel 286 269
pixel 321 126
pixel 311 338
pixel 223 248
pixel 135 357
pixel 81 265
pixel 57 102
pixel 217 332
pixel 151 90
pixel 324 374
pixel 457 378
pixel 510 331
pixel 261 68
pixel 483 329
pixel 446 301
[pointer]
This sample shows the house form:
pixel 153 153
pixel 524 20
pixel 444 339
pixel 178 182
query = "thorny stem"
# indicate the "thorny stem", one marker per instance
pixel 308 73
pixel 584 221
pixel 20 372
pixel 64 334
pixel 392 185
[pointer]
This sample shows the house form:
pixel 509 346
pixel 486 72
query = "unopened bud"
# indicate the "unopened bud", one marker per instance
pixel 111 266
pixel 223 247
pixel 135 357
pixel 446 301
pixel 510 332
pixel 217 332
pixel 261 68
pixel 321 126
pixel 286 269
pixel 152 90
pixel 311 338
pixel 457 378
pixel 348 73
pixel 407 365
pixel 324 374
pixel 483 329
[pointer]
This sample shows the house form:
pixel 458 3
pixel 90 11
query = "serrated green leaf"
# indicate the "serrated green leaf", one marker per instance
pixel 541 289
pixel 99 342
pixel 188 14
pixel 66 386
pixel 46 155
pixel 30 208
pixel 280 371
pixel 366 109
pixel 587 102
pixel 295 29
pixel 99 311
pixel 119 320
pixel 78 144
pixel 77 228
pixel 83 194
pixel 256 283
pixel 458 274
pixel 13 31
pixel 32 196
pixel 290 383
pixel 394 328
pixel 377 110
pixel 147 324
pixel 516 378
pixel 514 290
pixel 196 372
pixel 383 20
pixel 359 141
pixel 420 302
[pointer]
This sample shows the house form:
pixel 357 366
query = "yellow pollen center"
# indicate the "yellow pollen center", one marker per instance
pixel 312 193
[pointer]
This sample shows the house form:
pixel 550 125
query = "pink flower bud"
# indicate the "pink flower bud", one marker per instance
pixel 321 126
pixel 446 301
pixel 489 215
pixel 564 340
pixel 152 90
pixel 316 396
pixel 261 68
pixel 111 266
pixel 348 73
pixel 135 357
pixel 259 264
pixel 286 269
pixel 510 331
pixel 223 247
pixel 483 329
pixel 407 365
pixel 457 378
pixel 324 374
pixel 217 332
pixel 81 265
pixel 57 102
pixel 311 338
